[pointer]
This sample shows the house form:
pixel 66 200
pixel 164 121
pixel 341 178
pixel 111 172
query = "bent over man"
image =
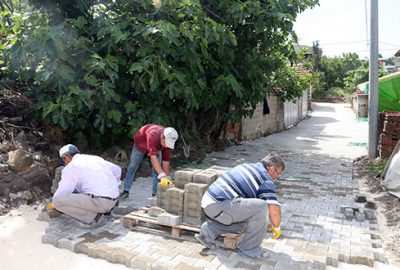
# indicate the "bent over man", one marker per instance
pixel 88 188
pixel 157 142
pixel 240 201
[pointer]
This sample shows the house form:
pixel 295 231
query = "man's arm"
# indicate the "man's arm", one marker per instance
pixel 67 183
pixel 166 167
pixel 275 214
pixel 156 164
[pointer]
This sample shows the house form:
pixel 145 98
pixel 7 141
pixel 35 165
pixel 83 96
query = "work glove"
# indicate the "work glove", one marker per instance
pixel 52 211
pixel 276 232
pixel 50 207
pixel 166 182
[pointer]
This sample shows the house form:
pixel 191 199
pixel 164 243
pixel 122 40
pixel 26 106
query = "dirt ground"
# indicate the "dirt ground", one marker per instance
pixel 388 210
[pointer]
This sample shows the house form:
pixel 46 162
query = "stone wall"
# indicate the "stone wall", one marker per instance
pixel 261 124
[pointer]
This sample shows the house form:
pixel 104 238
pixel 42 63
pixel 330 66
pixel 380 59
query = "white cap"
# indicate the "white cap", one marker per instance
pixel 67 149
pixel 171 136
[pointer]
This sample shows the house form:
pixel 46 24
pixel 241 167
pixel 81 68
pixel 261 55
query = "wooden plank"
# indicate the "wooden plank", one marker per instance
pixel 176 232
pixel 140 221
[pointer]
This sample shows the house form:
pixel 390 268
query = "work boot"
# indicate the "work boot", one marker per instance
pixel 205 242
pixel 98 221
pixel 124 195
pixel 53 213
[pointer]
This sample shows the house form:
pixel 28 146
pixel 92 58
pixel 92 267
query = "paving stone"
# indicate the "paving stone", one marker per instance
pixel 44 216
pixel 370 214
pixel 361 198
pixel 102 251
pixel 362 257
pixel 122 256
pixel 185 266
pixel 154 211
pixel 379 257
pixel 360 216
pixel 331 261
pixel 182 177
pixel 122 210
pixel 85 248
pixel 207 176
pixel 349 213
pixel 142 262
pixel 66 243
pixel 169 219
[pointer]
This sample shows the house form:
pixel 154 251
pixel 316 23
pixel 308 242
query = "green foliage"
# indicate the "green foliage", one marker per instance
pixel 376 167
pixel 359 75
pixel 291 84
pixel 103 68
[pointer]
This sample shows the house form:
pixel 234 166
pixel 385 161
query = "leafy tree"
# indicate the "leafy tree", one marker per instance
pixel 359 75
pixel 101 69
pixel 336 69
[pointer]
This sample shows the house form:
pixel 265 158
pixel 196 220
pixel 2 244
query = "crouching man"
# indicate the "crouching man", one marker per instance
pixel 88 188
pixel 241 200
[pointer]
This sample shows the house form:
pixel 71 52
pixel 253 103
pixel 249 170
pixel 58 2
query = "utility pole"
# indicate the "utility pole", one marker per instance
pixel 373 82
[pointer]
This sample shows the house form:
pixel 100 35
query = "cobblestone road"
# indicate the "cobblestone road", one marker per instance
pixel 313 190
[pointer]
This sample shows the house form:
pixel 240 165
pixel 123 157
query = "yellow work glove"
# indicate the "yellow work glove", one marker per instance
pixel 50 207
pixel 166 182
pixel 276 231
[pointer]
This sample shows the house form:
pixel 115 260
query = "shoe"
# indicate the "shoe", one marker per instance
pixel 204 242
pixel 261 256
pixel 124 195
pixel 98 221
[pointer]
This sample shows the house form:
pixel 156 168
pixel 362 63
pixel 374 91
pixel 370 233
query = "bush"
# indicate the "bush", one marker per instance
pixel 101 69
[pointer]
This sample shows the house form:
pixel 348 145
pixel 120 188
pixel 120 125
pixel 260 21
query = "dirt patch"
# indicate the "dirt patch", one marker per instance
pixel 388 210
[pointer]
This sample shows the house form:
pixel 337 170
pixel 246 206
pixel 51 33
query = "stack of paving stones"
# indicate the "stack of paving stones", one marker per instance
pixel 182 202
pixel 389 127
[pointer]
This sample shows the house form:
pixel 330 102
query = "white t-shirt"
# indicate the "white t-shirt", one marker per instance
pixel 90 174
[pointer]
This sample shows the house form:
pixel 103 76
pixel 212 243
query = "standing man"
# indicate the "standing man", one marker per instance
pixel 158 142
pixel 88 187
pixel 240 201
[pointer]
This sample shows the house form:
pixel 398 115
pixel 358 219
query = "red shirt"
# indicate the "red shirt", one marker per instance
pixel 147 140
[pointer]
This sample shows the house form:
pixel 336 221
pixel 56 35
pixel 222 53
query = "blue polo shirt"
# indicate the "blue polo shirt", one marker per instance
pixel 248 180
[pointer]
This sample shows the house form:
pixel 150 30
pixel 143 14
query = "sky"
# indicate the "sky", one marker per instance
pixel 340 27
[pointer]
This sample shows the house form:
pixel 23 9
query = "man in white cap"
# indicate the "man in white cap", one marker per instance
pixel 157 142
pixel 88 188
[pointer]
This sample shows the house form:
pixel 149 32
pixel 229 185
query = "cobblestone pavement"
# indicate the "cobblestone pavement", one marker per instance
pixel 313 190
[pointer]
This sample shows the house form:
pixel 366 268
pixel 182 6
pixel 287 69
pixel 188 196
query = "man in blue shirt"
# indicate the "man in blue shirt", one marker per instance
pixel 240 201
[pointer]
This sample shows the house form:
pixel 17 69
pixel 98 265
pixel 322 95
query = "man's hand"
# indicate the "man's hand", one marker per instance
pixel 276 231
pixel 50 207
pixel 166 182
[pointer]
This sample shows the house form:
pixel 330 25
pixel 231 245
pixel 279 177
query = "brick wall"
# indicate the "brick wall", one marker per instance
pixel 389 132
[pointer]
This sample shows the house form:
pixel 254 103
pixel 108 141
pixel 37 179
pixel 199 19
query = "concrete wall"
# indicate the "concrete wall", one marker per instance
pixel 360 105
pixel 282 115
pixel 263 124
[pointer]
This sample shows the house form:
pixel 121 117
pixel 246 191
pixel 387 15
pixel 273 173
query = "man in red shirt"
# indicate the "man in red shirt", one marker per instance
pixel 158 142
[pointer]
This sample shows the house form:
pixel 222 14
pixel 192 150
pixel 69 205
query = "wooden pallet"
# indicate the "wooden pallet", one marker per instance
pixel 141 221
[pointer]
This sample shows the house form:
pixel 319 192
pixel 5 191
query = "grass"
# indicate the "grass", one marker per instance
pixel 376 167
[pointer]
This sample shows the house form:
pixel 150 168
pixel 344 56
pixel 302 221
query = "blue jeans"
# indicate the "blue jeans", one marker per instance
pixel 135 160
